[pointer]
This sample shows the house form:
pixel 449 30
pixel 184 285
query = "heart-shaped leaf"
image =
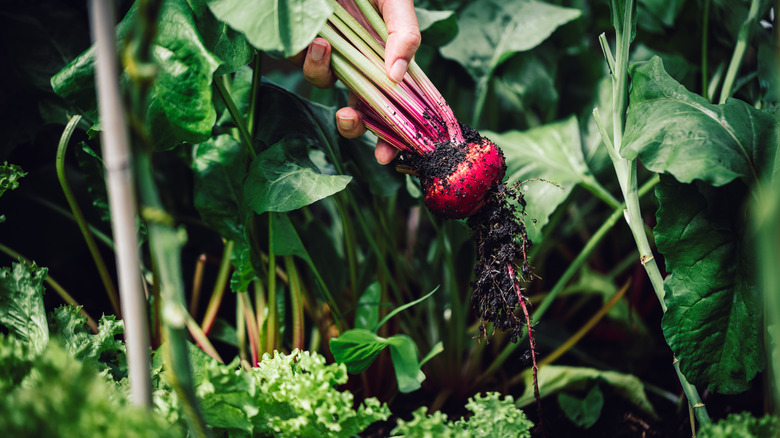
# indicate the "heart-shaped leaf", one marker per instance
pixel 713 321
pixel 673 130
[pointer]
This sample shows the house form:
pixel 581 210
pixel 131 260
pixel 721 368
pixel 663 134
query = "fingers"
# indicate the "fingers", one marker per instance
pixel 384 153
pixel 403 36
pixel 316 65
pixel 350 125
pixel 349 122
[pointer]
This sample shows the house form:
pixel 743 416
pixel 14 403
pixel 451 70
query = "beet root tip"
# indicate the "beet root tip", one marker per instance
pixel 462 192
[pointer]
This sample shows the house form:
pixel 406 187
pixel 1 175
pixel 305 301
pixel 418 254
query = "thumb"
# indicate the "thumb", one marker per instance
pixel 403 36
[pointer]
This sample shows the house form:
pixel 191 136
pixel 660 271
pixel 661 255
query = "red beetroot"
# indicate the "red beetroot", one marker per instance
pixel 461 192
pixel 460 171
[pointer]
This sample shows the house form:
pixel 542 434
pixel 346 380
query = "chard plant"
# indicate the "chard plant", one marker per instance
pixel 266 239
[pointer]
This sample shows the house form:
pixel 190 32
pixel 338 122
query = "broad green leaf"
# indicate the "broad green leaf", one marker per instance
pixel 403 352
pixel 286 26
pixel 183 84
pixel 285 114
pixel 552 153
pixel 491 31
pixel 673 130
pixel 526 88
pixel 437 27
pixel 221 40
pixel 582 412
pixel 713 321
pixel 180 101
pixel 357 349
pixel 21 304
pixel 282 178
pixel 367 312
pixel 219 167
pixel 556 378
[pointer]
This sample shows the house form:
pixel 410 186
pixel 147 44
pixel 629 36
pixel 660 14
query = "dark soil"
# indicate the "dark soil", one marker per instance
pixel 501 241
pixel 501 235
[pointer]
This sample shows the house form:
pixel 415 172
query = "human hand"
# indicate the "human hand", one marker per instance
pixel 402 42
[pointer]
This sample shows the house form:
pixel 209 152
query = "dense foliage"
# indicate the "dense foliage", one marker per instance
pixel 342 305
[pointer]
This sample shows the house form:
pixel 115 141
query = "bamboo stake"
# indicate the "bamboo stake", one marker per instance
pixel 121 195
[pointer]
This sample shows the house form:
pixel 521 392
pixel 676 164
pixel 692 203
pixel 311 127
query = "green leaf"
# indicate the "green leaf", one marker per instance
pixel 491 406
pixel 70 327
pixel 286 240
pixel 219 167
pixel 555 378
pixel 62 396
pixel 437 27
pixel 357 349
pixel 180 101
pixel 183 83
pixel 673 130
pixel 21 304
pixel 285 114
pixel 244 272
pixel 287 26
pixel 403 352
pixel 582 412
pixel 282 178
pixel 551 152
pixel 742 425
pixel 9 176
pixel 221 40
pixel 713 321
pixel 367 313
pixel 492 31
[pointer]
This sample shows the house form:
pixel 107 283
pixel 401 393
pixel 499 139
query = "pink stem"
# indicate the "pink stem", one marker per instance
pixel 531 342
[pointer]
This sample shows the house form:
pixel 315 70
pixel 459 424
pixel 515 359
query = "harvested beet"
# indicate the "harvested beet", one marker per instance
pixel 460 172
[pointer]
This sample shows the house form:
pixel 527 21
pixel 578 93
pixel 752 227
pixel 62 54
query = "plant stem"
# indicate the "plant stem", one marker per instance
pixel 101 236
pixel 54 285
pixel 739 51
pixel 197 284
pixel 246 139
pixel 270 333
pixel 296 302
pixel 100 264
pixel 705 29
pixel 572 341
pixel 219 288
pixel 251 325
pixel 202 340
pixel 532 344
pixel 625 171
pixel 116 153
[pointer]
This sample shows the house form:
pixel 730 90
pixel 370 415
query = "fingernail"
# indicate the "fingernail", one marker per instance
pixel 398 70
pixel 345 123
pixel 317 51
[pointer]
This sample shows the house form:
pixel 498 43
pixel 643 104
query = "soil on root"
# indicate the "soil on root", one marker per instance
pixel 501 235
pixel 502 242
